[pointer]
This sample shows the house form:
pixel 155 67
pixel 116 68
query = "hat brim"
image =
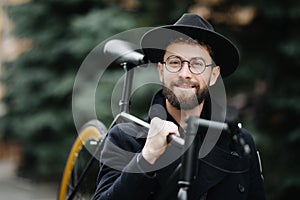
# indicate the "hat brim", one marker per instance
pixel 155 41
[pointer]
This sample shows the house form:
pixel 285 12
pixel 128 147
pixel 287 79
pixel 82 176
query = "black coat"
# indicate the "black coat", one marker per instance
pixel 224 173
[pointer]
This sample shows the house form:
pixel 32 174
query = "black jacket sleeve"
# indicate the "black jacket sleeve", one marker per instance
pixel 124 174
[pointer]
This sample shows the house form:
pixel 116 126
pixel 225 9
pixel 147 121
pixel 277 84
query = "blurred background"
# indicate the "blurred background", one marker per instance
pixel 44 42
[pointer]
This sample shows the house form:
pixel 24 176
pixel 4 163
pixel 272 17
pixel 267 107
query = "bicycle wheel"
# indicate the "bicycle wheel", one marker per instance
pixel 80 173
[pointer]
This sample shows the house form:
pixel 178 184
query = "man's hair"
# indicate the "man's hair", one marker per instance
pixel 189 40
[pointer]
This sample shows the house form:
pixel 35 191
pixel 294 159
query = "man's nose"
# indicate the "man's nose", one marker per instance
pixel 185 70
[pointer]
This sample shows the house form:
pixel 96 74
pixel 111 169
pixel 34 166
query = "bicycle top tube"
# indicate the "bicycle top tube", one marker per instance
pixel 178 141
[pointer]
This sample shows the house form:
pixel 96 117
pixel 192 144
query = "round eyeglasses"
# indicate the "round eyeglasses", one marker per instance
pixel 196 65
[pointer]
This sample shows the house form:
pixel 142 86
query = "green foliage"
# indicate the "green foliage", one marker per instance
pixel 39 83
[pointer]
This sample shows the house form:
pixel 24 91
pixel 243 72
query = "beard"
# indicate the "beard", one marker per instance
pixel 185 101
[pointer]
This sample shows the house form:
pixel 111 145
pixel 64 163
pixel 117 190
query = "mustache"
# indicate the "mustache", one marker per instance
pixel 184 82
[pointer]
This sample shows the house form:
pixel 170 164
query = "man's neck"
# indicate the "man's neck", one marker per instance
pixel 181 115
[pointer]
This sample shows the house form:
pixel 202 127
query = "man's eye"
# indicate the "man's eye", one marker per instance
pixel 174 62
pixel 198 64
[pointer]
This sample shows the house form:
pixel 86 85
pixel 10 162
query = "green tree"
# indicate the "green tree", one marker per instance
pixel 277 111
pixel 39 83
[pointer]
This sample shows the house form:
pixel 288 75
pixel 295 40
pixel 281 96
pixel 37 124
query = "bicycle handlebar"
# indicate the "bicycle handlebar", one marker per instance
pixel 178 141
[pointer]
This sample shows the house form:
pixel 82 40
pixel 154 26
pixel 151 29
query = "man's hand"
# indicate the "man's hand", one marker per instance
pixel 156 142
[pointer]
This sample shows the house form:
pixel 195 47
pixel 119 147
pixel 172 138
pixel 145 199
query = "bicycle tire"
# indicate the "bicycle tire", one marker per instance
pixel 93 130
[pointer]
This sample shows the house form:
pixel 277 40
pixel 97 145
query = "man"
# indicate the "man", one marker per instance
pixel 138 163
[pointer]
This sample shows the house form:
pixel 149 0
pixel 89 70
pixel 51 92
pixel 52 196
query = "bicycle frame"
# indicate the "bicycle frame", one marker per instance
pixel 127 86
pixel 124 109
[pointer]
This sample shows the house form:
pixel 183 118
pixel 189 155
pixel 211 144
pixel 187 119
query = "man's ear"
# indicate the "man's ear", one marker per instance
pixel 160 69
pixel 214 75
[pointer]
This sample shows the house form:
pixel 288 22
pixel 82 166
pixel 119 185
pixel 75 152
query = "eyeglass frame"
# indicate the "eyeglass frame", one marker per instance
pixel 189 64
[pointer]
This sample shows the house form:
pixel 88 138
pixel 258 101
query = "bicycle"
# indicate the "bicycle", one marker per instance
pixel 92 135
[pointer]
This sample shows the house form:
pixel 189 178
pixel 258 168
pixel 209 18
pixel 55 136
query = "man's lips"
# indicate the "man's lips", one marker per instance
pixel 185 86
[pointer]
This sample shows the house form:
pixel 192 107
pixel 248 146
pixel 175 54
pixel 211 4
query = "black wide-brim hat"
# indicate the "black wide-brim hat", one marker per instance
pixel 155 41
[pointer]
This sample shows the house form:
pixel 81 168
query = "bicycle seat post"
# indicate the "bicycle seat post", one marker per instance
pixel 125 101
